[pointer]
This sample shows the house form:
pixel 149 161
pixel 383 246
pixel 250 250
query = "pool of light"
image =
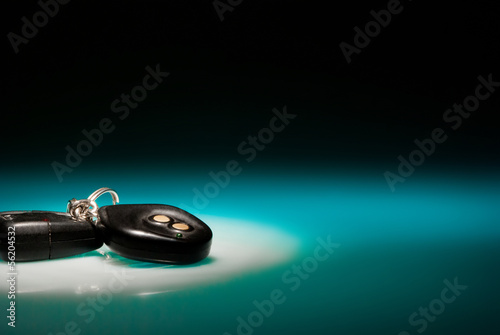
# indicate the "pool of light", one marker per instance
pixel 233 254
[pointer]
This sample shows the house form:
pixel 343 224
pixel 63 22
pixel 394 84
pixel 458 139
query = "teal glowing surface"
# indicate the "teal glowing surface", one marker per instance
pixel 369 258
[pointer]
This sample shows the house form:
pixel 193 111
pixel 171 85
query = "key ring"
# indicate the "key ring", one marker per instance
pixel 86 209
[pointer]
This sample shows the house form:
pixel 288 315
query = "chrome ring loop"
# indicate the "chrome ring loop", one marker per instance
pixel 87 209
pixel 102 191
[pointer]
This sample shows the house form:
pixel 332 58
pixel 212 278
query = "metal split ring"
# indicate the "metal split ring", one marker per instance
pixel 86 209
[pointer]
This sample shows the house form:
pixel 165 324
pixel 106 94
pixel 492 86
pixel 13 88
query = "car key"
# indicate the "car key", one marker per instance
pixel 149 232
pixel 38 235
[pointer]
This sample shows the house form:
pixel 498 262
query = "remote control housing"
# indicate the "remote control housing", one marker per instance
pixel 38 235
pixel 154 233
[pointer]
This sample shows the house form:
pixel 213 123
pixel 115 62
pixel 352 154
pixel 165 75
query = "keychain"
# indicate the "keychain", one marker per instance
pixel 148 232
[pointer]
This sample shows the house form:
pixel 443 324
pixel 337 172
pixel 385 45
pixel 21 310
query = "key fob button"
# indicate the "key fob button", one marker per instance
pixel 160 218
pixel 181 226
pixel 165 225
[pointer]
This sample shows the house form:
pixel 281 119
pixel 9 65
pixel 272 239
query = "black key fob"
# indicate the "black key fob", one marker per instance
pixel 154 233
pixel 38 235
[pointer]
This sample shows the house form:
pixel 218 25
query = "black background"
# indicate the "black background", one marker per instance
pixel 225 78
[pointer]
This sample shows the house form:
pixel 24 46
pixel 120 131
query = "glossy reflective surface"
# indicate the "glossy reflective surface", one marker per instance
pixel 334 251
